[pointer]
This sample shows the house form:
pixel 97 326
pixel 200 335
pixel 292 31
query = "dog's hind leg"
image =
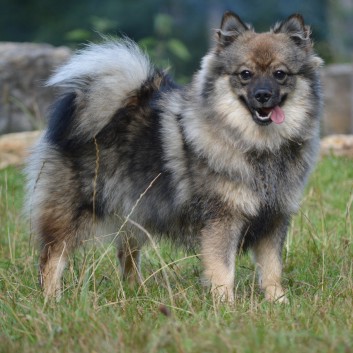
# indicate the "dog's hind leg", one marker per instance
pixel 129 256
pixel 53 259
pixel 58 238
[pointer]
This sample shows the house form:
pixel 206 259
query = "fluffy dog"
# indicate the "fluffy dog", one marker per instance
pixel 221 162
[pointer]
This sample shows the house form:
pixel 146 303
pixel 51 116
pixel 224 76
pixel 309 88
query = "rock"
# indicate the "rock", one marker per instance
pixel 337 145
pixel 24 68
pixel 338 92
pixel 14 147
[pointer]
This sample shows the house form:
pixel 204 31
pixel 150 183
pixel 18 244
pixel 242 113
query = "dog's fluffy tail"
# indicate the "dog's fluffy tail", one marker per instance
pixel 95 82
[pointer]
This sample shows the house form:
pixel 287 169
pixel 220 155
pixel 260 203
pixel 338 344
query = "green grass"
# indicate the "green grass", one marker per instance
pixel 172 312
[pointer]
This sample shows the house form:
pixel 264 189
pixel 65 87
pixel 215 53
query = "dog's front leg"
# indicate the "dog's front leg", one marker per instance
pixel 218 250
pixel 268 259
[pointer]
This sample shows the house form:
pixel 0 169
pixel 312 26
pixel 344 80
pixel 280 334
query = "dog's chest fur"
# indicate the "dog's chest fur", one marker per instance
pixel 277 175
pixel 273 181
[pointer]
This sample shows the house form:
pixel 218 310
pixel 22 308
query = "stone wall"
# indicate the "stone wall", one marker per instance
pixel 24 68
pixel 338 92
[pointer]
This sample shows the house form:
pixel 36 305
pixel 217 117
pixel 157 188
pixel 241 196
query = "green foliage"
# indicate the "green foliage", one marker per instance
pixel 177 33
pixel 98 25
pixel 172 312
pixel 163 48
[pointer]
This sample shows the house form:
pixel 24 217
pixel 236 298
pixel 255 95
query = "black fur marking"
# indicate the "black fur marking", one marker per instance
pixel 283 100
pixel 263 225
pixel 189 154
pixel 115 132
pixel 216 71
pixel 136 127
pixel 274 173
pixel 290 154
pixel 61 121
pixel 208 86
pixel 85 203
pixel 87 207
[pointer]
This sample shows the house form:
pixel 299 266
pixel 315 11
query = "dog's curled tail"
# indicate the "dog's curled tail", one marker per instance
pixel 95 82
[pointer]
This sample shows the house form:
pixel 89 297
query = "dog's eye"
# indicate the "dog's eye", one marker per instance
pixel 280 75
pixel 245 75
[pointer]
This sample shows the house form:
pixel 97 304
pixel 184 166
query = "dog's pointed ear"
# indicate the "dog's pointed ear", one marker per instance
pixel 296 29
pixel 231 27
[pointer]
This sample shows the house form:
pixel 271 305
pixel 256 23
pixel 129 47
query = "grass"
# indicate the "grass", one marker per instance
pixel 172 312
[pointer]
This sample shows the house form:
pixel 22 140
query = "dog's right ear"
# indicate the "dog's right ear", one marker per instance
pixel 231 27
pixel 295 28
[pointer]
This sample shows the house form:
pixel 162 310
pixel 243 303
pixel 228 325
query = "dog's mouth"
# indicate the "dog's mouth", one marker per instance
pixel 265 116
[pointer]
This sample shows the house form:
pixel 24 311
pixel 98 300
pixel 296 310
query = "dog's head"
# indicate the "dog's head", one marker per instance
pixel 270 75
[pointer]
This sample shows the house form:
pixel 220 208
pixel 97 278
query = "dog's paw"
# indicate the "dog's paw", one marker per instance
pixel 223 294
pixel 275 294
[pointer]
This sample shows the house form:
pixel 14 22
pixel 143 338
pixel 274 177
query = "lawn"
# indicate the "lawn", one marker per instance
pixel 172 312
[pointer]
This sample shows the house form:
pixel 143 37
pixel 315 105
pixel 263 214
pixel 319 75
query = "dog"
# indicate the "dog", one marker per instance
pixel 219 164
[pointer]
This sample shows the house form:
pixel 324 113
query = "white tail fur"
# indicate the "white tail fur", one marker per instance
pixel 103 75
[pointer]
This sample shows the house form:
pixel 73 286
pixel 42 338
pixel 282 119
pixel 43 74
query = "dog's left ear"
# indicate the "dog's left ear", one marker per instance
pixel 296 29
pixel 231 27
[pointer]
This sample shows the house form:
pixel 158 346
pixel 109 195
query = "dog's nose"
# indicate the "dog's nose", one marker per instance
pixel 263 95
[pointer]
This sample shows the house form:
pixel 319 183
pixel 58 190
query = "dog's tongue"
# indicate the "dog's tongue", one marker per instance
pixel 277 115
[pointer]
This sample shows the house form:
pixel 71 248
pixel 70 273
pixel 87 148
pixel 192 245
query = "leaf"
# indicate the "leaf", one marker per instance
pixel 78 35
pixel 163 25
pixel 102 24
pixel 177 48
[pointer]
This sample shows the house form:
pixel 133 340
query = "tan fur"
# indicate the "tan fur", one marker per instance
pixel 218 258
pixel 269 266
pixel 52 264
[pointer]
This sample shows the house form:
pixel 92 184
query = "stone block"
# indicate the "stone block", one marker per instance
pixel 24 68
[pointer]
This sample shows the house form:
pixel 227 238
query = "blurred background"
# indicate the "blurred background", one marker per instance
pixel 176 34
